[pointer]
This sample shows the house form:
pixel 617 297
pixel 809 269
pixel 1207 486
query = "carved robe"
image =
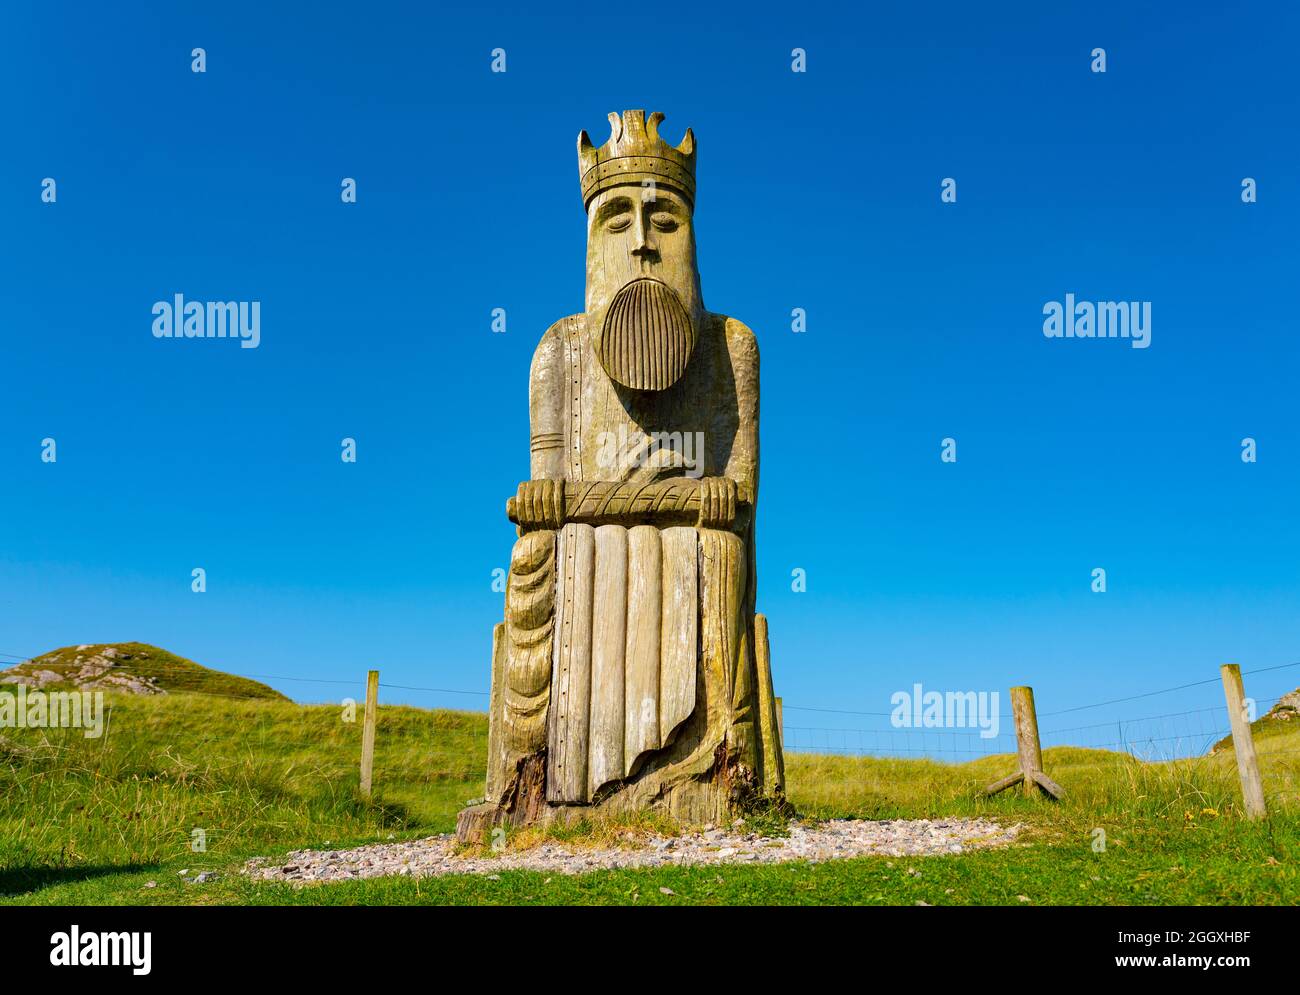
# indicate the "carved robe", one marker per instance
pixel 629 650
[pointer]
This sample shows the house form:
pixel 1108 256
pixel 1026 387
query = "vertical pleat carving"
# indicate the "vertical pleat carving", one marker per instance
pixel 724 650
pixel 608 646
pixel 625 652
pixel 679 635
pixel 566 776
pixel 641 665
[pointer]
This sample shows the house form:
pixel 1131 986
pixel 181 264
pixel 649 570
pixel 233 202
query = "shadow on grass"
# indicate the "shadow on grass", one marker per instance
pixel 15 881
pixel 387 813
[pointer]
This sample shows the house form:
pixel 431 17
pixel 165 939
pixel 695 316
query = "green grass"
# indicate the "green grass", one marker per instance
pixel 94 821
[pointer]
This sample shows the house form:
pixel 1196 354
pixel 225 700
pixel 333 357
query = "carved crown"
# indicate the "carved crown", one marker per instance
pixel 633 154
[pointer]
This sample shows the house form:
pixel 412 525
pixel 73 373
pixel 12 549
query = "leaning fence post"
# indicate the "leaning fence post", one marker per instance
pixel 368 733
pixel 1243 742
pixel 1029 751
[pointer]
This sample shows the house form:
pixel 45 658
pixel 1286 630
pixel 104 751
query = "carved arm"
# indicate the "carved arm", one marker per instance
pixel 707 502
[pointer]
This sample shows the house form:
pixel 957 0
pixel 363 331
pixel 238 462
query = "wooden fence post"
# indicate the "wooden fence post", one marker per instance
pixel 1029 752
pixel 1243 742
pixel 780 725
pixel 368 733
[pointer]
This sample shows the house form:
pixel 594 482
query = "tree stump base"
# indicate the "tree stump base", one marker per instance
pixel 716 795
pixel 474 824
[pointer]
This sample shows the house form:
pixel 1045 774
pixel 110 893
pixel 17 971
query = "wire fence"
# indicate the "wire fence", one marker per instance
pixel 1159 736
pixel 428 766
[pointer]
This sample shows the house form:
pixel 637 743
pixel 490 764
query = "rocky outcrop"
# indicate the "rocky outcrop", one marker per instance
pixel 1285 709
pixel 91 669
pixel 128 668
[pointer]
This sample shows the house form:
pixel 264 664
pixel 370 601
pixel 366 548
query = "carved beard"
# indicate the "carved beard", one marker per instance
pixel 648 336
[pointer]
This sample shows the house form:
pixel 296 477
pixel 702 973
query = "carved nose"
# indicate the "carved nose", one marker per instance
pixel 644 246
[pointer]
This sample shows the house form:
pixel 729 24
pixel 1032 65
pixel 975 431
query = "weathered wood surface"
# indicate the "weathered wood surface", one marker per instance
pixel 1243 742
pixel 652 722
pixel 723 650
pixel 675 501
pixel 644 601
pixel 571 679
pixel 474 824
pixel 1029 753
pixel 771 762
pixel 530 626
pixel 1028 750
pixel 495 770
pixel 1048 785
pixel 608 646
pixel 368 733
pixel 1007 782
pixel 679 633
pixel 627 644
pixel 523 801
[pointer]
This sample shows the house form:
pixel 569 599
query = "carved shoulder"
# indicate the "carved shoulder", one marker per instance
pixel 549 352
pixel 546 403
pixel 740 336
pixel 742 347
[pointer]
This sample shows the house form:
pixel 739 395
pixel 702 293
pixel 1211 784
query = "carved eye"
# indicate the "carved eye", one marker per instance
pixel 663 221
pixel 619 222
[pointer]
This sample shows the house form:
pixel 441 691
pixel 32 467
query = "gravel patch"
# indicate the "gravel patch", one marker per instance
pixel 814 843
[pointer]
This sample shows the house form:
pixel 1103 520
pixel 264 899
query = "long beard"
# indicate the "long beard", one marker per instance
pixel 647 337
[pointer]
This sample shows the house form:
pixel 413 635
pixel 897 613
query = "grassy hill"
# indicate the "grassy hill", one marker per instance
pixel 136 668
pixel 1283 719
pixel 96 821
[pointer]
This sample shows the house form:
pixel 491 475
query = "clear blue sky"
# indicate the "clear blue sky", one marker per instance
pixel 817 190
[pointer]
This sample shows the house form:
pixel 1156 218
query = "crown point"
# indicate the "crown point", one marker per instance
pixel 634 153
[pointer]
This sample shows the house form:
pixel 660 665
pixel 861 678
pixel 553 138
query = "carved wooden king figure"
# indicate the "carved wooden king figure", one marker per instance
pixel 631 671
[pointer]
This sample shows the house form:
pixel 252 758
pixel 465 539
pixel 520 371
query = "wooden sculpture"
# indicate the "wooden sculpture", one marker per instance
pixel 631 671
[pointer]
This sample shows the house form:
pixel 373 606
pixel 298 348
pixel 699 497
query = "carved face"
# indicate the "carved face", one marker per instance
pixel 643 288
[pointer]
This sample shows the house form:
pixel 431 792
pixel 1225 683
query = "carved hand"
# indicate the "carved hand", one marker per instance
pixel 717 502
pixel 539 504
